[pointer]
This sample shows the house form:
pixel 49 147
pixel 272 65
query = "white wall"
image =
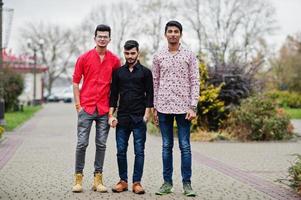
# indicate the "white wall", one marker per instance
pixel 27 95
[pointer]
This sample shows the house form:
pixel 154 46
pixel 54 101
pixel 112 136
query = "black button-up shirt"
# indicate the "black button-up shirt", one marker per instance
pixel 135 92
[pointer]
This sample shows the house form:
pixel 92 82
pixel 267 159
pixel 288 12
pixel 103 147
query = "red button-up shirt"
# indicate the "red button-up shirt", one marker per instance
pixel 96 76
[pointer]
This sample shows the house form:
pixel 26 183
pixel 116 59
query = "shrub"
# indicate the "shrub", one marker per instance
pixel 295 174
pixel 286 98
pixel 11 86
pixel 210 108
pixel 258 118
pixel 238 83
pixel 1 131
pixel 206 136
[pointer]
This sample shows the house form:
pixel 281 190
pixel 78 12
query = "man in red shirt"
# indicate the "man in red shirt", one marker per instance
pixel 92 103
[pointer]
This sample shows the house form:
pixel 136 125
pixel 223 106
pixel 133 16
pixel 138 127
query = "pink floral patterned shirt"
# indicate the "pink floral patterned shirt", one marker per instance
pixel 176 81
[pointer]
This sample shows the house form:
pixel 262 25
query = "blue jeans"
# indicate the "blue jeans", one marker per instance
pixel 166 122
pixel 122 137
pixel 84 124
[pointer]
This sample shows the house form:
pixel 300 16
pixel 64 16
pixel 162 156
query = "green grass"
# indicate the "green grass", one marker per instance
pixel 295 113
pixel 15 119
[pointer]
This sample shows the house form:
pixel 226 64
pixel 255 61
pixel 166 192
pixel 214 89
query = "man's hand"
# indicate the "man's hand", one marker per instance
pixel 146 117
pixel 78 108
pixel 156 119
pixel 113 121
pixel 190 115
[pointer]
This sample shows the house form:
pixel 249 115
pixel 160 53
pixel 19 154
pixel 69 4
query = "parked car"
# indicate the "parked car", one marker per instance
pixel 52 98
pixel 68 96
pixel 64 94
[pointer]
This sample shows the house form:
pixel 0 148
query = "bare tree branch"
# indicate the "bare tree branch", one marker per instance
pixel 55 53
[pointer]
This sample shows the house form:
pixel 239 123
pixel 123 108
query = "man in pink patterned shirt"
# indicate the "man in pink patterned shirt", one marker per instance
pixel 176 92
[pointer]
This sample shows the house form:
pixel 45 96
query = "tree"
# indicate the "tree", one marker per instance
pixel 11 85
pixel 117 16
pixel 286 68
pixel 229 30
pixel 154 14
pixel 210 109
pixel 57 51
pixel 231 34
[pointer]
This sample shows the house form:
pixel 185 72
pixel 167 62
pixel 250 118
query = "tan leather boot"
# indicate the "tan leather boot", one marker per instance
pixel 98 183
pixel 78 186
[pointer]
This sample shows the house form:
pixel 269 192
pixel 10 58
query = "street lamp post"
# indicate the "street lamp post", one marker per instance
pixel 1 56
pixel 35 49
pixel 34 76
pixel 2 108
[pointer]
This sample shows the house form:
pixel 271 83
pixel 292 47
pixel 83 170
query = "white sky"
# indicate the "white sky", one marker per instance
pixel 71 13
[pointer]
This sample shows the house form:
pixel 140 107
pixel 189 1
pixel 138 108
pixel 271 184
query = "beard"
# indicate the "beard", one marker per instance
pixel 131 60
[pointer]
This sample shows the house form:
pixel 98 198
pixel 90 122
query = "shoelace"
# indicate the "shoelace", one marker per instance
pixel 187 187
pixel 165 186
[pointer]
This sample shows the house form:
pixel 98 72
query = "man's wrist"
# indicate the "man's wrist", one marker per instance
pixel 193 108
pixel 111 114
pixel 77 106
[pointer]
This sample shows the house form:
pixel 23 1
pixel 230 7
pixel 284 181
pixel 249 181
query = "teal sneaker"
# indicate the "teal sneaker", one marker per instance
pixel 166 188
pixel 188 190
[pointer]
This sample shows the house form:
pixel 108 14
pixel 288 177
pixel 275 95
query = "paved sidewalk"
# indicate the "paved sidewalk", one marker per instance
pixel 297 126
pixel 37 162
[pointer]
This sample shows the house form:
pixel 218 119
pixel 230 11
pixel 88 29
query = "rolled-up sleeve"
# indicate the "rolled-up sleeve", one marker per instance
pixel 78 70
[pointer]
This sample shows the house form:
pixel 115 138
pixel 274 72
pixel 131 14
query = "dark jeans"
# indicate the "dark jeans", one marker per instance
pixel 166 122
pixel 122 137
pixel 84 124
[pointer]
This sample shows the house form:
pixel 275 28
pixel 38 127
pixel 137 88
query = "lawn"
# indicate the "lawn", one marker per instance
pixel 295 113
pixel 15 119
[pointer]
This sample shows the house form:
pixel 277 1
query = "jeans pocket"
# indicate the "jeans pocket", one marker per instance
pixel 80 112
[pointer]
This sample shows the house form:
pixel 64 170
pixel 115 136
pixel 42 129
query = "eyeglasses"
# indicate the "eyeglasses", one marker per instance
pixel 102 37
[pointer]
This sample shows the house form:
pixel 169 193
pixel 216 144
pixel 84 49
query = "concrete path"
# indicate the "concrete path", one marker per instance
pixel 37 162
pixel 297 126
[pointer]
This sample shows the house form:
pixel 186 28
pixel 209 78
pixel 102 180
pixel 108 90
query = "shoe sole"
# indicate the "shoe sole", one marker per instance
pixel 157 193
pixel 77 191
pixel 118 191
pixel 95 190
pixel 102 191
pixel 141 192
pixel 171 191
pixel 189 195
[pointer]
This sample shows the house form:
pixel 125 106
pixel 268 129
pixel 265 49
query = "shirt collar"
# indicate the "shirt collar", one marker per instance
pixel 107 53
pixel 179 49
pixel 136 66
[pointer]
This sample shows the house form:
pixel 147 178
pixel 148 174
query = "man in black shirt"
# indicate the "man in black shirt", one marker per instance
pixel 133 84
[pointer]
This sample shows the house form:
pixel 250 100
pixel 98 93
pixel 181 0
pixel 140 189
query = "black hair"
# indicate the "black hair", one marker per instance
pixel 131 44
pixel 174 23
pixel 103 27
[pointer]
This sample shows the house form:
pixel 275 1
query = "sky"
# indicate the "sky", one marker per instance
pixel 71 12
